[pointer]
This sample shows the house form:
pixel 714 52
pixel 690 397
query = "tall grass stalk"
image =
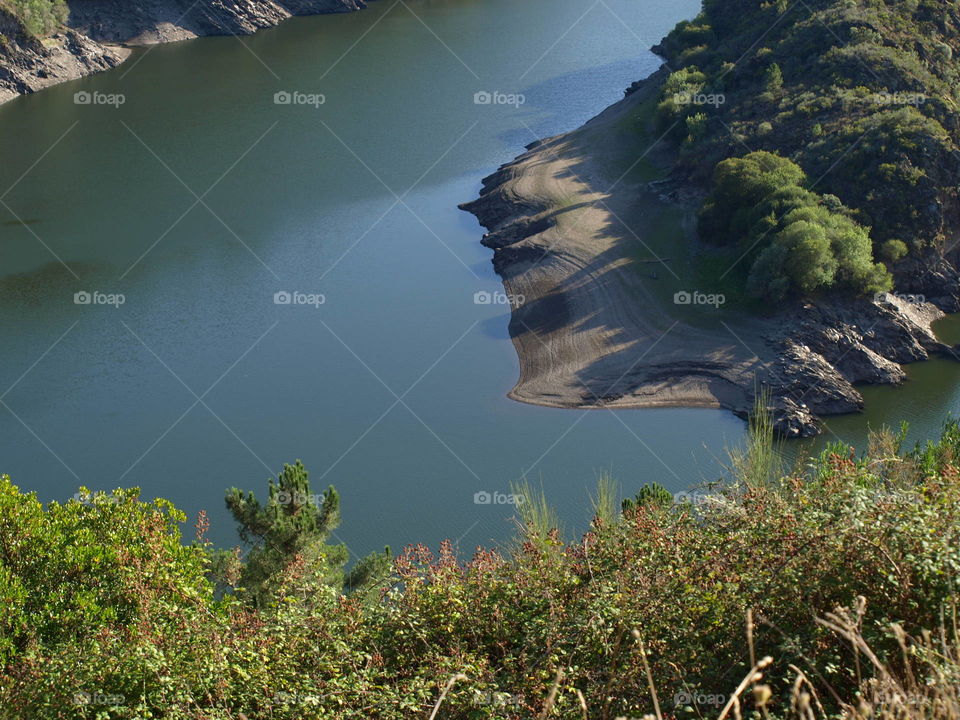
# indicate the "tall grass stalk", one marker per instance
pixel 760 461
pixel 606 503
pixel 536 516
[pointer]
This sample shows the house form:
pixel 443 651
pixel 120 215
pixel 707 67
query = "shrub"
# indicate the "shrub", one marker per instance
pixel 797 242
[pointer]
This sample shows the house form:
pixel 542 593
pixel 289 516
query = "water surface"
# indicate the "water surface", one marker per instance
pixel 200 198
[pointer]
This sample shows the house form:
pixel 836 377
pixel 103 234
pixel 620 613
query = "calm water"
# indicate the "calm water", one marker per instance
pixel 394 388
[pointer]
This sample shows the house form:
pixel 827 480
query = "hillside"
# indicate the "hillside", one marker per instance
pixel 862 96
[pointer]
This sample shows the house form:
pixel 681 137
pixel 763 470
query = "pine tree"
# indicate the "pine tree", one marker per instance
pixel 651 494
pixel 295 524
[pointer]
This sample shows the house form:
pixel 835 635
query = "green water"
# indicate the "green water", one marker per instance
pixel 930 395
pixel 394 388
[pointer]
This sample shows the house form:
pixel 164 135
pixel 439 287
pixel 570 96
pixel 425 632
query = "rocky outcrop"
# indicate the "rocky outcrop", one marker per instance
pixel 99 30
pixel 824 349
pixel 28 65
pixel 160 21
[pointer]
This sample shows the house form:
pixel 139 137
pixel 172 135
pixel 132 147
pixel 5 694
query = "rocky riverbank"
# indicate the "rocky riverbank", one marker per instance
pixel 570 234
pixel 99 34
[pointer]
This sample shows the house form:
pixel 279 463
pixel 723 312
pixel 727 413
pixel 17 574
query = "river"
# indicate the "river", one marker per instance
pixel 183 212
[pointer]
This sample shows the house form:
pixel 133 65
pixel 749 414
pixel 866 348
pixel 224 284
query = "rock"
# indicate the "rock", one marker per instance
pixel 27 65
pixel 87 45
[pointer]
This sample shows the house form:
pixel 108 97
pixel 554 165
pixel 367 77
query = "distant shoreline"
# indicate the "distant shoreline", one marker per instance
pixel 101 33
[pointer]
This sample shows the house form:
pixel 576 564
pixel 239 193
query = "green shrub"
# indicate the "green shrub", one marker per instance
pixel 40 17
pixel 109 615
pixel 796 241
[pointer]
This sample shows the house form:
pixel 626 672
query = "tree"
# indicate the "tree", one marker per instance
pixel 795 240
pixel 893 250
pixel 652 495
pixel 773 78
pixel 295 524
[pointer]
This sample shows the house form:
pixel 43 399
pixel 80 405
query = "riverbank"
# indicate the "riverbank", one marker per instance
pixel 100 33
pixel 589 229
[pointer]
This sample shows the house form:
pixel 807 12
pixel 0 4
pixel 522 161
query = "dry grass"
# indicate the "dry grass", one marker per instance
pixel 922 684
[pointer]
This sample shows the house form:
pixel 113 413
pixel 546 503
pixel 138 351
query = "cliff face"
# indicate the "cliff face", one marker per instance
pixel 97 30
pixel 157 21
pixel 28 65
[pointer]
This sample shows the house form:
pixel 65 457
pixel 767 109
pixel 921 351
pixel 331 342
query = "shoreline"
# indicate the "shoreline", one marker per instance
pixel 592 332
pixel 574 235
pixel 101 34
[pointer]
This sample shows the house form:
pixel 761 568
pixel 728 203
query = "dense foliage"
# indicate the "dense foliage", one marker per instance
pixel 861 95
pixel 796 242
pixel 39 17
pixel 108 614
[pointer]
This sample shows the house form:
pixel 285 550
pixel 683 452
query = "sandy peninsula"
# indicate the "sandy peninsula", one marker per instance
pixel 570 222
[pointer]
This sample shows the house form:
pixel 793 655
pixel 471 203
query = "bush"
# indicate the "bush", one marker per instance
pixel 796 241
pixel 893 250
pixel 109 615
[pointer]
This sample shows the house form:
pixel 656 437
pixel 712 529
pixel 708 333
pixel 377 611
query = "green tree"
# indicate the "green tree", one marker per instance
pixel 295 524
pixel 796 241
pixel 773 78
pixel 893 250
pixel 652 495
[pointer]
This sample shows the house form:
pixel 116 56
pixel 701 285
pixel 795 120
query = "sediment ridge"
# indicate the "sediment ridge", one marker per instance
pixel 567 228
